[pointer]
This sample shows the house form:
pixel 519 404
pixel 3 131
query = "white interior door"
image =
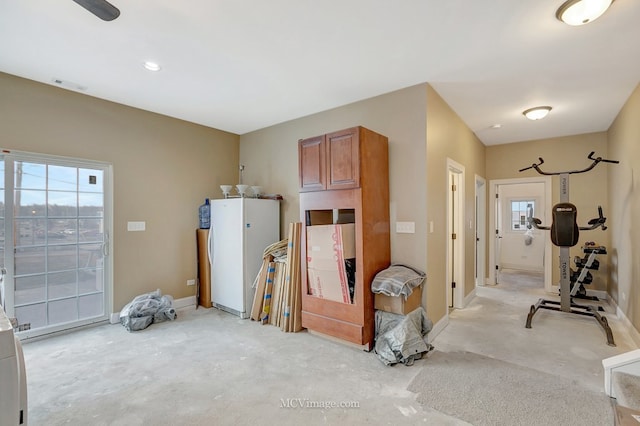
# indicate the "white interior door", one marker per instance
pixel 54 244
pixel 521 248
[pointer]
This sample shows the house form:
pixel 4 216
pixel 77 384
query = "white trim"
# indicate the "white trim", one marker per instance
pixel 107 197
pixel 507 265
pixel 438 328
pixel 480 246
pixel 460 264
pixel 628 362
pixel 548 190
pixel 42 333
pixel 469 297
pixel 633 333
pixel 109 289
pixel 184 302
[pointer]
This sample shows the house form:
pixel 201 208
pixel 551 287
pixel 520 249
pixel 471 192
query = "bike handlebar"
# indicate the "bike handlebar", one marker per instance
pixel 598 222
pixel 596 160
pixel 599 159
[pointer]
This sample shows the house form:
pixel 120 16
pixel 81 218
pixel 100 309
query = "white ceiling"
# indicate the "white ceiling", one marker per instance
pixel 242 65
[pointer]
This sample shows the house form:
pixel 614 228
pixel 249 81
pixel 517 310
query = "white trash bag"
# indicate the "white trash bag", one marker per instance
pixel 528 237
pixel 146 309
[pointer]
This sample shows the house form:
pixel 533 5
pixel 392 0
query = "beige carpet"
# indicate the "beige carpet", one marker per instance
pixel 486 391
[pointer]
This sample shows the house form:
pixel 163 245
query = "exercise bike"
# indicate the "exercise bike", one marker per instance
pixel 565 233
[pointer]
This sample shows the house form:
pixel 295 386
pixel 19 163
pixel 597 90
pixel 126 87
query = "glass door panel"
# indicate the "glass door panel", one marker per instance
pixel 57 261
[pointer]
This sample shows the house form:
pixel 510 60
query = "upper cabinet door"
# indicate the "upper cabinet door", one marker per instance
pixel 343 163
pixel 312 164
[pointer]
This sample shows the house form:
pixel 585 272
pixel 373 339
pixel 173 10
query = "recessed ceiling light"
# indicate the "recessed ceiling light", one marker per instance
pixel 495 126
pixel 580 12
pixel 536 113
pixel 151 66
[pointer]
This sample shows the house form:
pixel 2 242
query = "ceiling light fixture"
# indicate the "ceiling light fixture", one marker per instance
pixel 580 12
pixel 151 66
pixel 536 113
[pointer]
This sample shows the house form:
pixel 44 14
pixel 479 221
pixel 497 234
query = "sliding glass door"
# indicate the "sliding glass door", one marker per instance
pixel 54 245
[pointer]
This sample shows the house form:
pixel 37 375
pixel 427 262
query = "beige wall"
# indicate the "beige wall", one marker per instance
pixel 624 197
pixel 163 169
pixel 586 190
pixel 271 159
pixel 449 137
pixel 422 129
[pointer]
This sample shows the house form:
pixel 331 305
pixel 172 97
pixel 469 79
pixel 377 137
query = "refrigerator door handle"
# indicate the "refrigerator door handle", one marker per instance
pixel 209 248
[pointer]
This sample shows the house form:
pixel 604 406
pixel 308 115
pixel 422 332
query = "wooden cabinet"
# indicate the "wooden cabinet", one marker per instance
pixel 330 161
pixel 311 164
pixel 344 178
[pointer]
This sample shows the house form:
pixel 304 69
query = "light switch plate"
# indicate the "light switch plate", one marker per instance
pixel 405 227
pixel 136 226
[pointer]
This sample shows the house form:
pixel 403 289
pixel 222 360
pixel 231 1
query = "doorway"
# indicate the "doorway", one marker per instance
pixel 54 250
pixel 455 235
pixel 513 246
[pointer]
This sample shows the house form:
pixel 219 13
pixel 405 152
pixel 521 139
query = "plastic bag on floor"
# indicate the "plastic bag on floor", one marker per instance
pixel 146 309
pixel 402 339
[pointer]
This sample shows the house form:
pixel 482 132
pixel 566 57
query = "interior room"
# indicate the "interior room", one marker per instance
pixel 153 106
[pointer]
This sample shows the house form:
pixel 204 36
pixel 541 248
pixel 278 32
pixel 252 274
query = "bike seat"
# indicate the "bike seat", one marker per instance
pixel 564 229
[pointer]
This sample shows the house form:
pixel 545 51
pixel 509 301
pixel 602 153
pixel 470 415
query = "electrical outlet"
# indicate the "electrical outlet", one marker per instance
pixel 191 282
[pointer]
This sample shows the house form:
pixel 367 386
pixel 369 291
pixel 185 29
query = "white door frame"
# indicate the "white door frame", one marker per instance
pixel 455 223
pixel 481 230
pixel 107 247
pixel 493 188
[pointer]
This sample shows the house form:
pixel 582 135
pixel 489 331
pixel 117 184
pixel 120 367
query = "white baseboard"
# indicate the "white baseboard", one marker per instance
pixel 185 302
pixel 182 303
pixel 468 298
pixel 437 328
pixel 519 267
pixel 635 336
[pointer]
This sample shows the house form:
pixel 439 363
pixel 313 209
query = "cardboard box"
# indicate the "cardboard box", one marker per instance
pixel 327 248
pixel 397 304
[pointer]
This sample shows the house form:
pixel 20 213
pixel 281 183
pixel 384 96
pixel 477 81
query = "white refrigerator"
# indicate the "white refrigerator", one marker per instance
pixel 241 228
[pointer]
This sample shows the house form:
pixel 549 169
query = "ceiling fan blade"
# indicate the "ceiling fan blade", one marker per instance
pixel 101 8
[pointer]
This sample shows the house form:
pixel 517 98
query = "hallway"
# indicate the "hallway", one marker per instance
pixel 493 324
